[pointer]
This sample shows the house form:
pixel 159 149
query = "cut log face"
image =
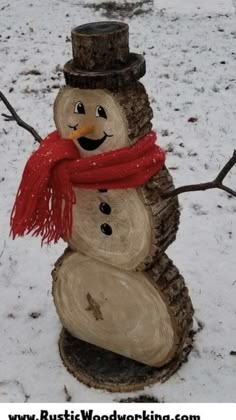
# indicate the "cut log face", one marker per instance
pixel 76 108
pixel 114 227
pixel 125 228
pixel 125 312
pixel 114 309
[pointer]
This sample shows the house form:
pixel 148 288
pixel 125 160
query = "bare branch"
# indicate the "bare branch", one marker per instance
pixel 8 117
pixel 217 183
pixel 68 396
pixel 15 117
pixel 228 190
pixel 225 170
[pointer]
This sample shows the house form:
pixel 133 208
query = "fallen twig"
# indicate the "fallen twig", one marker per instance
pixel 217 183
pixel 68 396
pixel 5 7
pixel 15 117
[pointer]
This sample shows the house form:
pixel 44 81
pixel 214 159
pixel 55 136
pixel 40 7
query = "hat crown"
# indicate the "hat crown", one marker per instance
pixel 101 57
pixel 100 46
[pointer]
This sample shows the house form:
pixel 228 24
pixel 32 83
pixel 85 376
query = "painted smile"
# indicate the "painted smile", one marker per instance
pixel 90 144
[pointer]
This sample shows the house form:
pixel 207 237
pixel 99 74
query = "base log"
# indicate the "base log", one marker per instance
pixel 102 369
pixel 143 316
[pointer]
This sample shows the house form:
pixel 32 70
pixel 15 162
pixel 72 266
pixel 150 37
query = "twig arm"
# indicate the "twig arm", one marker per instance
pixel 216 183
pixel 225 170
pixel 15 117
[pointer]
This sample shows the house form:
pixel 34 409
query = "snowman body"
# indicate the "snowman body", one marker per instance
pixel 116 288
pixel 116 227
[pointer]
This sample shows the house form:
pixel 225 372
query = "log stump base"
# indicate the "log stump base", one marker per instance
pixel 103 369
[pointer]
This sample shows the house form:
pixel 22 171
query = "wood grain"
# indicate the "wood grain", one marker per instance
pixel 145 316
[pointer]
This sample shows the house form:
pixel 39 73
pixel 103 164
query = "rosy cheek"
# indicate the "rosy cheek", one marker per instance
pixel 109 129
pixel 109 144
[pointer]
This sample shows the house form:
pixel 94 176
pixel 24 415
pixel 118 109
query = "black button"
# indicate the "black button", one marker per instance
pixel 105 208
pixel 102 191
pixel 106 229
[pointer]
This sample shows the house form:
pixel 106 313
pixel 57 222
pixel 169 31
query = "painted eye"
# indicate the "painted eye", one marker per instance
pixel 100 112
pixel 79 108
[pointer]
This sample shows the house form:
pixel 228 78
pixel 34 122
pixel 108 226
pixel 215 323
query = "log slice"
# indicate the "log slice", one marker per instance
pixel 145 316
pixel 102 369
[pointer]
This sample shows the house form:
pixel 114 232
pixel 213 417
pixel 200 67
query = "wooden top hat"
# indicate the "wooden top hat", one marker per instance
pixel 101 57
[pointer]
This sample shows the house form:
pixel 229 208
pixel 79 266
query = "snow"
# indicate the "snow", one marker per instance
pixel 197 7
pixel 191 57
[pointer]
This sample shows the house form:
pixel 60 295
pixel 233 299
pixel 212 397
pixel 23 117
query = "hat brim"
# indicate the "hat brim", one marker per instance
pixel 133 70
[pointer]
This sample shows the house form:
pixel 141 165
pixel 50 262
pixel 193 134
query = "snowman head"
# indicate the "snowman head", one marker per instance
pixel 103 92
pixel 76 108
pixel 117 118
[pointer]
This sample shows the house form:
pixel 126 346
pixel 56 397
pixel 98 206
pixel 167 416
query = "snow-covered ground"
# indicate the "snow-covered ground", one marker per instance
pixel 190 48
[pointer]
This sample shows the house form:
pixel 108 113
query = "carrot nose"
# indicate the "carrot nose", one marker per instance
pixel 86 129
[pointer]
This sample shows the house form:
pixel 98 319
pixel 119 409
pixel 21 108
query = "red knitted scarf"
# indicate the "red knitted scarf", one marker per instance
pixel 45 197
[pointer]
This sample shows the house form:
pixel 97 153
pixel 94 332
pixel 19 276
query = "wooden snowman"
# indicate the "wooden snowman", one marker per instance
pixel 115 288
pixel 100 183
